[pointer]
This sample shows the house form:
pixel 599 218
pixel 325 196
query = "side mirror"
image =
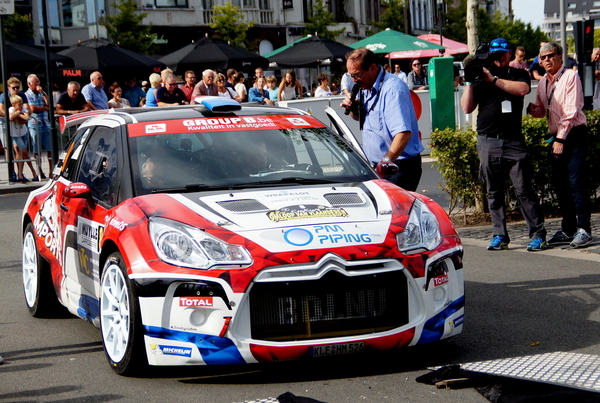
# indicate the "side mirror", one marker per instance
pixel 78 190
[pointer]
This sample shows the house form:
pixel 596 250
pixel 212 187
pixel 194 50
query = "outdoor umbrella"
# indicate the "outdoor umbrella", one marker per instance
pixel 113 61
pixel 393 41
pixel 212 53
pixel 452 48
pixel 22 58
pixel 311 52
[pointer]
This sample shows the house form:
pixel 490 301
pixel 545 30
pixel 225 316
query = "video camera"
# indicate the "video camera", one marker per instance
pixel 474 63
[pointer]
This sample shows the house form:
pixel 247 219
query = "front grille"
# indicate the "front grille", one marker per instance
pixel 341 199
pixel 243 206
pixel 332 306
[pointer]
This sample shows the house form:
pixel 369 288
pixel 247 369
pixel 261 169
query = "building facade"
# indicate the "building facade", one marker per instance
pixel 575 10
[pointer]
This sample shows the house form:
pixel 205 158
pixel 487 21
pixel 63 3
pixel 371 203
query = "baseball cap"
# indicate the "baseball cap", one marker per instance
pixel 499 45
pixel 144 83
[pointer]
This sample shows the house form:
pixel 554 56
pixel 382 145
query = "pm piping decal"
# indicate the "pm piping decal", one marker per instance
pixel 328 235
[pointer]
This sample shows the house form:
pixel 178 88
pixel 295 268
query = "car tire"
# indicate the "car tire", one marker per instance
pixel 120 319
pixel 39 292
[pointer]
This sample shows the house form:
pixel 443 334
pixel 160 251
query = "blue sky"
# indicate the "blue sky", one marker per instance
pixel 529 11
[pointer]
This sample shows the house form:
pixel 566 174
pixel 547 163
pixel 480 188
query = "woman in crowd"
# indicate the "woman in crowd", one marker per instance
pixel 323 89
pixel 289 88
pixel 117 101
pixel 259 94
pixel 226 91
pixel 240 87
pixel 155 81
pixel 417 78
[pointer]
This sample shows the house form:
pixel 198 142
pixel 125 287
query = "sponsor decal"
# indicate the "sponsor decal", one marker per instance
pixel 156 128
pixel 298 122
pixel 213 124
pixel 305 211
pixel 45 226
pixel 439 280
pixel 89 234
pixel 334 235
pixel 196 301
pixel 459 321
pixel 171 350
pixel 118 224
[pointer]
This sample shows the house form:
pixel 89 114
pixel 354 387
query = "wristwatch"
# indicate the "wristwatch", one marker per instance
pixel 386 159
pixel 494 80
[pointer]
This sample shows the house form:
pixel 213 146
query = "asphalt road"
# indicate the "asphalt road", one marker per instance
pixel 517 304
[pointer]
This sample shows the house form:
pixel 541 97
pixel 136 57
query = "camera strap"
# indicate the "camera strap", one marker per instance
pixel 552 92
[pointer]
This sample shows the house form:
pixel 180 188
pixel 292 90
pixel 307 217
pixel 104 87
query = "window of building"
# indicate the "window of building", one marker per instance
pixel 74 14
pixel 264 5
pixel 208 4
pixel 571 6
pixel 172 3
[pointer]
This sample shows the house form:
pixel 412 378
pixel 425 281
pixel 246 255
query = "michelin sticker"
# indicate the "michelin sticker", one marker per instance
pixel 171 350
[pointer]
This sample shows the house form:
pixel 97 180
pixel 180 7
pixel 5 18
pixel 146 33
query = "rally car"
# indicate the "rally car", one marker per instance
pixel 218 234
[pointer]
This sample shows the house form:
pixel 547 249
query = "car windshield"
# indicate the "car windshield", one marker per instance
pixel 244 158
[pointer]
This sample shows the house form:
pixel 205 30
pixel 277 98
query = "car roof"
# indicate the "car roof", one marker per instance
pixel 146 114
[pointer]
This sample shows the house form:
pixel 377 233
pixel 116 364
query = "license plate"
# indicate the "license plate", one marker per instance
pixel 337 349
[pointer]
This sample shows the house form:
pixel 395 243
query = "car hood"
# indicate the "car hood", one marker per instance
pixel 297 218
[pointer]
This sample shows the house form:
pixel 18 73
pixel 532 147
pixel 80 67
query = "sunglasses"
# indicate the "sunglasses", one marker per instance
pixel 549 55
pixel 172 84
pixel 502 45
pixel 15 88
pixel 220 81
pixel 417 64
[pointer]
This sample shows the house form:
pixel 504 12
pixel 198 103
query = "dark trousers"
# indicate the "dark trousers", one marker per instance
pixel 497 158
pixel 570 184
pixel 409 173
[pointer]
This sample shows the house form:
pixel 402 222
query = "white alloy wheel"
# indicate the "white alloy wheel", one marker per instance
pixel 30 270
pixel 115 311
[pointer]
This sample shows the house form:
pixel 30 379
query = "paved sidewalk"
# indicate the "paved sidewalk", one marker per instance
pixel 7 187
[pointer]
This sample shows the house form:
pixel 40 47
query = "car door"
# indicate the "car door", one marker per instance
pixel 342 130
pixel 91 191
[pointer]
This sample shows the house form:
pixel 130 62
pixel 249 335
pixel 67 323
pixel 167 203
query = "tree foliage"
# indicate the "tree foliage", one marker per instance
pixel 17 27
pixel 320 19
pixel 517 33
pixel 126 28
pixel 229 25
pixel 392 17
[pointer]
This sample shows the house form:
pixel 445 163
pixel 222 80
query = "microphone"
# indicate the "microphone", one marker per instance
pixel 354 105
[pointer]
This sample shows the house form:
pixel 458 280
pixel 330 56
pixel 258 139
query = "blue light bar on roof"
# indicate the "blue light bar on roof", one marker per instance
pixel 219 104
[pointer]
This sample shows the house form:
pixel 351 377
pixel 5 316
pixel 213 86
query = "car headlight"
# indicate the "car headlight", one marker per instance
pixel 422 230
pixel 183 245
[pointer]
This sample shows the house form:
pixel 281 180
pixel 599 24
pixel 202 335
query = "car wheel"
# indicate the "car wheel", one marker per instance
pixel 40 295
pixel 120 320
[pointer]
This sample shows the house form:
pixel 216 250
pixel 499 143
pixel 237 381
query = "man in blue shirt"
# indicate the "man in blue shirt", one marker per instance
pixel 388 121
pixel 133 93
pixel 94 92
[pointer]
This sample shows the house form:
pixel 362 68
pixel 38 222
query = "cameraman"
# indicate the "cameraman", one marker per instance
pixel 499 92
pixel 388 120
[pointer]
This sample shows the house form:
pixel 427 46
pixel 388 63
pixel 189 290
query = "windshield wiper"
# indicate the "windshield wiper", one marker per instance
pixel 195 187
pixel 286 180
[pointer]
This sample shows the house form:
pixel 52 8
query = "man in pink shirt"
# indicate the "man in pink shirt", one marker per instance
pixel 560 99
pixel 519 62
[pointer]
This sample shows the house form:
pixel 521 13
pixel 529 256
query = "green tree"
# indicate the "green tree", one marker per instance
pixel 126 28
pixel 320 20
pixel 517 33
pixel 229 25
pixel 17 26
pixel 392 17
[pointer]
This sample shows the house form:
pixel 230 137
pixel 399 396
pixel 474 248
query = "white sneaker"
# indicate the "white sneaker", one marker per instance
pixel 581 238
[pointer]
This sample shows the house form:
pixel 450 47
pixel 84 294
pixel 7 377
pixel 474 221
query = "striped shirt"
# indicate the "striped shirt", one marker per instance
pixel 566 103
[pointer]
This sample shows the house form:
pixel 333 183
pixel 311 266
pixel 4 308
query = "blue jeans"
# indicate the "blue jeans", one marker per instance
pixel 570 183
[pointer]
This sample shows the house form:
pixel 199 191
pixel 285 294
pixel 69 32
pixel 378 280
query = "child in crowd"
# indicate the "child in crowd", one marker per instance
pixel 18 115
pixel 272 88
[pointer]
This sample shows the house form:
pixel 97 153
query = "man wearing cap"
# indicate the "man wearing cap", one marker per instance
pixel 499 93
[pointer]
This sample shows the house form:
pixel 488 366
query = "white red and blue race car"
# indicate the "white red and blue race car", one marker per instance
pixel 218 234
